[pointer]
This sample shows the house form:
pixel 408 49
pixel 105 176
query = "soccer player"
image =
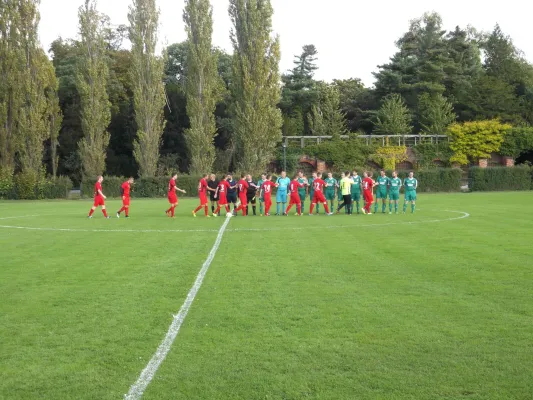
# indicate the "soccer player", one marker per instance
pixel 394 191
pixel 172 195
pixel 251 194
pixel 312 192
pixel 125 192
pixel 330 190
pixel 243 196
pixel 221 195
pixel 294 187
pixel 202 193
pixel 346 190
pixel 282 184
pixel 302 191
pixel 318 197
pixel 266 193
pixel 212 188
pixel 259 193
pixel 381 192
pixel 356 190
pixel 368 187
pixel 232 192
pixel 410 184
pixel 99 198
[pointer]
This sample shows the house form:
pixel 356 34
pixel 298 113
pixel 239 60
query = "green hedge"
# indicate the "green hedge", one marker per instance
pixel 500 178
pixel 28 186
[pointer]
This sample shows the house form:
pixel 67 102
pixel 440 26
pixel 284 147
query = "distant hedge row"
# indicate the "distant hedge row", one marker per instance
pixel 28 186
pixel 500 178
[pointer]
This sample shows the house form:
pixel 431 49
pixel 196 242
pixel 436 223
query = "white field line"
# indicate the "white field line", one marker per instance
pixel 302 228
pixel 137 389
pixel 20 216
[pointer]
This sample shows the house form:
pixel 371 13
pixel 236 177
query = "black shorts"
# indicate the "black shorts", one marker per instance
pixel 251 198
pixel 212 196
pixel 232 197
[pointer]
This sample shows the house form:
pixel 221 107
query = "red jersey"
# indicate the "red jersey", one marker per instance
pixel 368 184
pixel 318 185
pixel 172 186
pixel 243 186
pixel 267 188
pixel 202 187
pixel 223 187
pixel 126 189
pixel 294 185
pixel 97 187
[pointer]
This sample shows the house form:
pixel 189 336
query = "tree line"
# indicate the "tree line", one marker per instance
pixel 101 106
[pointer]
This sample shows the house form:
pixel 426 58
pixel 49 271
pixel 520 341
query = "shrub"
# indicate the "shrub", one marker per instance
pixel 500 178
pixel 439 180
pixel 25 187
pixel 6 184
pixel 54 188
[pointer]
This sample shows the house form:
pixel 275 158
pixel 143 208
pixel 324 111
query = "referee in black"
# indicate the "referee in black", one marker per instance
pixel 212 188
pixel 251 193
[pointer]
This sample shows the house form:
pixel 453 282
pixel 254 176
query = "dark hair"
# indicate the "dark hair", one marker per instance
pixel 269 176
pixel 243 175
pixel 174 174
pixel 347 173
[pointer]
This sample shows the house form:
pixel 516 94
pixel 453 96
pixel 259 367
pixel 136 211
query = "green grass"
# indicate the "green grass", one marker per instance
pixel 419 306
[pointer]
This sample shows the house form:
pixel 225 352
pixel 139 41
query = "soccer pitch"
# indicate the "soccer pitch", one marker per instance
pixel 432 305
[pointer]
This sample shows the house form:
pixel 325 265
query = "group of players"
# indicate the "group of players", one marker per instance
pixel 349 191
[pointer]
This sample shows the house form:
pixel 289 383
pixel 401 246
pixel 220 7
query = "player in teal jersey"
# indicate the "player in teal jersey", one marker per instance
pixel 312 194
pixel 330 190
pixel 410 185
pixel 381 192
pixel 356 190
pixel 261 198
pixel 302 192
pixel 395 184
pixel 281 195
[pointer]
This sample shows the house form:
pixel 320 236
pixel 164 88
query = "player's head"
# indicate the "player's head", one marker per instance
pixel 249 178
pixel 174 175
pixel 343 175
pixel 283 174
pixel 315 175
pixel 330 175
pixel 263 176
pixel 212 177
pixel 296 176
pixel 243 175
pixel 354 172
pixel 268 177
pixel 411 174
pixel 229 177
pixel 100 178
pixel 382 172
pixel 205 176
pixel 319 175
pixel 130 179
pixel 395 174
pixel 346 173
pixel 365 174
pixel 300 174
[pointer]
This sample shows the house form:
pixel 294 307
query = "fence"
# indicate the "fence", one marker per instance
pixel 400 140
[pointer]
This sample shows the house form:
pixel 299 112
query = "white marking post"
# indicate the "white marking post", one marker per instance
pixel 137 389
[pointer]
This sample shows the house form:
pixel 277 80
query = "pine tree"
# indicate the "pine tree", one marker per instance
pixel 203 85
pixel 256 89
pixel 147 72
pixel 393 118
pixel 435 114
pixel 326 117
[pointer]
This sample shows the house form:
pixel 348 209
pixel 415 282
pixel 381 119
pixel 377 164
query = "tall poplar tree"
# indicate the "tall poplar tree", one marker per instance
pixel 256 83
pixel 147 72
pixel 92 77
pixel 203 85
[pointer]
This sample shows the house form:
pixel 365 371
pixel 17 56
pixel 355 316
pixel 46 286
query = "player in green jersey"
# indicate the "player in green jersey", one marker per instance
pixel 302 191
pixel 312 194
pixel 395 184
pixel 261 198
pixel 381 192
pixel 356 190
pixel 410 185
pixel 330 190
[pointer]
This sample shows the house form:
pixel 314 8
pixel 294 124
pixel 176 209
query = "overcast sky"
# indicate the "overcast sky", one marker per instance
pixel 352 37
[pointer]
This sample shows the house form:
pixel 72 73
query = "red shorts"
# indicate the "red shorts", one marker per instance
pixel 295 199
pixel 319 198
pixel 172 198
pixel 125 200
pixel 243 199
pixel 367 195
pixel 203 198
pixel 99 201
pixel 222 201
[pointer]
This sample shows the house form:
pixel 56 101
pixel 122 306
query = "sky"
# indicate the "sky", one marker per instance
pixel 352 37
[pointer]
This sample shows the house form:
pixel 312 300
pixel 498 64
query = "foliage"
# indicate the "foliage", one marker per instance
pixel 475 140
pixel 327 118
pixel 147 72
pixel 256 91
pixel 393 118
pixel 6 183
pixel 439 180
pixel 517 142
pixel 25 185
pixel 92 80
pixel 358 104
pixel 342 154
pixel 389 156
pixel 203 86
pixel 500 178
pixel 427 153
pixel 435 114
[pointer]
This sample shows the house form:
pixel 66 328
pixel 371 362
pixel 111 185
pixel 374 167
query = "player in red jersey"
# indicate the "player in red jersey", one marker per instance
pixel 266 193
pixel 202 193
pixel 318 187
pixel 368 189
pixel 243 198
pixel 172 195
pixel 99 198
pixel 125 190
pixel 295 196
pixel 221 195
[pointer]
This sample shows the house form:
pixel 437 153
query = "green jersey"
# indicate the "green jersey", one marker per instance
pixel 410 184
pixel 383 182
pixel 395 185
pixel 302 190
pixel 332 183
pixel 356 186
pixel 260 183
pixel 311 190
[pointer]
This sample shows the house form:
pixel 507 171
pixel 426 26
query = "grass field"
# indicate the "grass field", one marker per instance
pixel 432 305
